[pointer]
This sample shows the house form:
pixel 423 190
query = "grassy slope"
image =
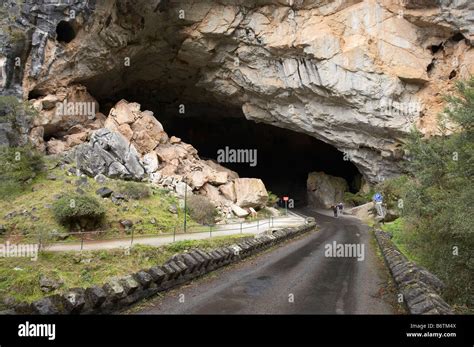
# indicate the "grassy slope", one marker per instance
pixel 43 193
pixel 401 237
pixel 19 277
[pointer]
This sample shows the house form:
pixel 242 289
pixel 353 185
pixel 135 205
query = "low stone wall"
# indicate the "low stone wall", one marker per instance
pixel 419 287
pixel 120 292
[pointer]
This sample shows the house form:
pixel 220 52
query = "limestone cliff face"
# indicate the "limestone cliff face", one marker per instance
pixel 355 74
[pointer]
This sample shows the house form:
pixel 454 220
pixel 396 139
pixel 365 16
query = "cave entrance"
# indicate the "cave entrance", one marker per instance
pixel 284 157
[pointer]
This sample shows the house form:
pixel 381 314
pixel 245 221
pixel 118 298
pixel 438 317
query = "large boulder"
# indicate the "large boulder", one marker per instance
pixel 182 188
pixel 220 169
pixel 110 154
pixel 250 192
pixel 168 152
pixel 197 179
pixel 239 212
pixel 141 128
pixel 390 215
pixel 325 190
pixel 218 178
pixel 124 112
pixel 147 132
pixel 228 191
pixel 150 161
pixel 363 212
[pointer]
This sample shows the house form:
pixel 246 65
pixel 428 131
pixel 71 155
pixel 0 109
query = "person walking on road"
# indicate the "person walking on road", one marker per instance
pixel 335 210
pixel 340 207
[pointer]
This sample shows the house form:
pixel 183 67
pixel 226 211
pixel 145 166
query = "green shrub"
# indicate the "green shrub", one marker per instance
pixel 16 112
pixel 272 199
pixel 18 167
pixel 134 190
pixel 393 190
pixel 201 209
pixel 358 198
pixel 83 212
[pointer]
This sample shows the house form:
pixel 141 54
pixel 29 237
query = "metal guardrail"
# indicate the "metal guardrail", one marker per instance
pixel 45 240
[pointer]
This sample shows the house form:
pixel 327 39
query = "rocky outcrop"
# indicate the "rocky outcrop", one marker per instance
pixel 250 192
pixel 65 119
pixel 110 154
pixel 142 129
pixel 168 162
pixel 325 190
pixel 354 74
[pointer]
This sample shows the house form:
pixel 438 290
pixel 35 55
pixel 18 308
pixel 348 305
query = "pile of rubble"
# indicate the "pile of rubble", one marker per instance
pixel 132 144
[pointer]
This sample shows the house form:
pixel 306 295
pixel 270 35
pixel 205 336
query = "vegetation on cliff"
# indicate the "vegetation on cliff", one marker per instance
pixel 436 199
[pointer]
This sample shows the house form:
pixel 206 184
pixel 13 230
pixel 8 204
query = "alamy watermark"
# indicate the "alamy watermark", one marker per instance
pixel 345 250
pixel 28 329
pixel 11 250
pixel 75 108
pixel 409 109
pixel 231 155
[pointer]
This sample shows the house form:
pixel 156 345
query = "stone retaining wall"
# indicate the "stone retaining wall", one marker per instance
pixel 120 292
pixel 419 287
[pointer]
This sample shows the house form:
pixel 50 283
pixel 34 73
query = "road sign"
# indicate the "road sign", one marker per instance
pixel 378 197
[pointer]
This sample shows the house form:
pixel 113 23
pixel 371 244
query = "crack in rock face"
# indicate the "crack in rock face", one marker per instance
pixel 357 75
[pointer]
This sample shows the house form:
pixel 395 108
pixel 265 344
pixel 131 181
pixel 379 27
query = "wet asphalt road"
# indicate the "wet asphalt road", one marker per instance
pixel 295 278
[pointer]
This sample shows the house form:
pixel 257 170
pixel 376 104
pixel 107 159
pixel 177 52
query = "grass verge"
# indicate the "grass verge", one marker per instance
pixel 20 277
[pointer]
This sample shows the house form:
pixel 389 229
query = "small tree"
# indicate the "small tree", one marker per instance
pixel 272 199
pixel 134 190
pixel 201 209
pixel 81 212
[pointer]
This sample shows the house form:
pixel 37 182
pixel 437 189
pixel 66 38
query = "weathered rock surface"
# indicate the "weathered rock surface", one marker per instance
pixel 65 119
pixel 354 74
pixel 150 162
pixel 239 212
pixel 325 190
pixel 142 129
pixel 250 192
pixel 110 154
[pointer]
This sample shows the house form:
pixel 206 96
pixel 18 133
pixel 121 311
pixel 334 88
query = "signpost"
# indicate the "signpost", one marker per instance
pixel 378 198
pixel 285 199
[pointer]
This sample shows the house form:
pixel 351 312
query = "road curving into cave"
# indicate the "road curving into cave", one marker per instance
pixel 295 278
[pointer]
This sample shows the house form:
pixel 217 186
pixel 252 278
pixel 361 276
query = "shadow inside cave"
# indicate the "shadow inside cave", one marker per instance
pixel 283 157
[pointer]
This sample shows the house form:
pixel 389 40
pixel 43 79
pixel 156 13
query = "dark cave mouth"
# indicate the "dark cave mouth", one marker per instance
pixel 284 158
pixel 281 158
